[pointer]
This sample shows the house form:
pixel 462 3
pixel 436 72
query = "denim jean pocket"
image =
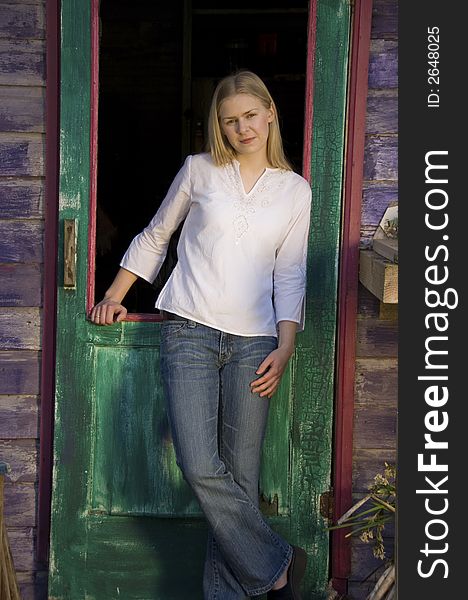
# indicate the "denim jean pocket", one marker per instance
pixel 171 327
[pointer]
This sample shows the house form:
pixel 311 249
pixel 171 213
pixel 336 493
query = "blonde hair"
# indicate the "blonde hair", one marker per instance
pixel 243 82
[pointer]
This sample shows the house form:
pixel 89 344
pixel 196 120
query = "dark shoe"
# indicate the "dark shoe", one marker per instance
pixel 296 571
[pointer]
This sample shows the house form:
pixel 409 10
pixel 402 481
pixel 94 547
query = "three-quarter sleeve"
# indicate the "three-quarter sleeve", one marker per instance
pixel 147 251
pixel 289 274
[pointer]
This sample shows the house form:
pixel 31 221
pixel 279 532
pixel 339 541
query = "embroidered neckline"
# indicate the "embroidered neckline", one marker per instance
pixel 236 164
pixel 245 203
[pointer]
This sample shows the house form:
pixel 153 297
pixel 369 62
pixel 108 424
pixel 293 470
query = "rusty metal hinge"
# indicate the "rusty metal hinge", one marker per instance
pixel 69 253
pixel 269 508
pixel 327 504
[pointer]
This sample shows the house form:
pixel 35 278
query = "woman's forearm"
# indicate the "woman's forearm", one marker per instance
pixel 287 335
pixel 122 283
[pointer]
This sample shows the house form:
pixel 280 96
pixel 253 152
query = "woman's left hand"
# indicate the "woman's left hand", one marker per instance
pixel 274 365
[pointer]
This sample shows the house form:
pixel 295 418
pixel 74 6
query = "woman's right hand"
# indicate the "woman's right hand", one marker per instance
pixel 108 312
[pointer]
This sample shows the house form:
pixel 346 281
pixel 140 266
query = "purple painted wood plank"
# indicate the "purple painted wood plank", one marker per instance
pixel 21 241
pixel 375 200
pixel 22 109
pixel 382 112
pixel 367 462
pixel 374 426
pixel 21 21
pixel 384 19
pixel 20 328
pixel 20 285
pixel 20 504
pixel 364 562
pixel 22 154
pixel 19 417
pixel 374 429
pixel 22 199
pixel 22 62
pixel 33 585
pixel 383 64
pixel 21 456
pixel 368 304
pixel 19 372
pixel 381 158
pixel 22 548
pixel 377 338
pixel 375 377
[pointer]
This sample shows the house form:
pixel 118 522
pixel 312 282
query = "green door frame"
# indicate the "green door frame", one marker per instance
pixel 313 365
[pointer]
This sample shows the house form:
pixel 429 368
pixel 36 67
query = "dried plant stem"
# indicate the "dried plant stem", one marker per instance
pixel 364 527
pixel 383 585
pixel 386 504
pixel 353 509
pixel 392 593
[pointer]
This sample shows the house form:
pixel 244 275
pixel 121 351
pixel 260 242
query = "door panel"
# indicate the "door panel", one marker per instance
pixel 131 473
pixel 134 470
pixel 124 522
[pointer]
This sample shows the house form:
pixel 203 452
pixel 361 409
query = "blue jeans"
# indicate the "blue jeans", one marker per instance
pixel 218 427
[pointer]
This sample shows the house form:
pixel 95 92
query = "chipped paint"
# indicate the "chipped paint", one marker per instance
pixel 69 202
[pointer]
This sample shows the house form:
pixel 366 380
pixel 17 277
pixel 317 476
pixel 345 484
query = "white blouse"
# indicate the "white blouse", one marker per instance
pixel 241 257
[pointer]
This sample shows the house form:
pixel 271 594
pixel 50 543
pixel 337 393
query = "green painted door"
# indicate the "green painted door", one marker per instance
pixel 124 523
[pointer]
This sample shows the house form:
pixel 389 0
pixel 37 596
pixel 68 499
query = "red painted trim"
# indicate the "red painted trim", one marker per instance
pixel 49 278
pixel 93 152
pixel 348 289
pixel 309 93
pixel 143 317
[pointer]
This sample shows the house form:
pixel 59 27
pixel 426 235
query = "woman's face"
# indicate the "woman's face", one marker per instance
pixel 244 120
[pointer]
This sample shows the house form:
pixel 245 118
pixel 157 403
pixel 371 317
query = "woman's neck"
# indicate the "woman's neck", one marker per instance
pixel 251 170
pixel 252 163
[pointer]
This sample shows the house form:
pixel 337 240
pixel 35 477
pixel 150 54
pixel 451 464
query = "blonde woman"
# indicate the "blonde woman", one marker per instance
pixel 231 310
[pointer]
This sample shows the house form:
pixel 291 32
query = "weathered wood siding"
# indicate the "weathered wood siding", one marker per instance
pixel 375 413
pixel 22 156
pixel 380 165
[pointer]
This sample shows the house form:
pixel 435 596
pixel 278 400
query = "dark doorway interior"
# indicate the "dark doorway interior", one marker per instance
pixel 159 63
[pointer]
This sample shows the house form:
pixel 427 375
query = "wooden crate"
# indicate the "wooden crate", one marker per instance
pixel 386 247
pixel 379 275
